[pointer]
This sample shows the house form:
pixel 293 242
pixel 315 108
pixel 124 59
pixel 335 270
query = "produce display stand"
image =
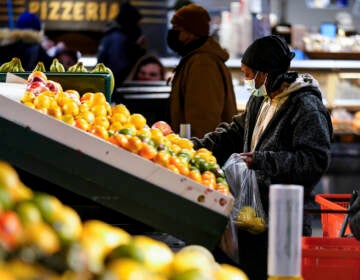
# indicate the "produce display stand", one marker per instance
pixel 82 82
pixel 111 176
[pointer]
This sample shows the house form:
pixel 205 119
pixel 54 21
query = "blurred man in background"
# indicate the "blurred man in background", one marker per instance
pixel 123 43
pixel 202 93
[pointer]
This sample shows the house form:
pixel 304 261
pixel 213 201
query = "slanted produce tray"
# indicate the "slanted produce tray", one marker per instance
pixel 82 82
pixel 111 176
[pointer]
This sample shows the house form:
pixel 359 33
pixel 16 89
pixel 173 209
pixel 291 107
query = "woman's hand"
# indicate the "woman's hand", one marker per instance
pixel 248 158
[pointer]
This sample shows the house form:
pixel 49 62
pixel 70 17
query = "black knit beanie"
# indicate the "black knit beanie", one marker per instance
pixel 128 14
pixel 269 54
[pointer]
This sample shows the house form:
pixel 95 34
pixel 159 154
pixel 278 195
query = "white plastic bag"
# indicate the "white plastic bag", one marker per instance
pixel 247 213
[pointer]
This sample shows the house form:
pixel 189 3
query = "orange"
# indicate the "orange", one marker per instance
pixel 87 97
pixel 30 104
pixel 173 168
pixel 70 107
pixel 208 179
pixel 42 102
pixel 162 158
pixel 27 97
pixel 134 144
pixel 157 136
pixel 99 99
pixel 102 121
pixel 119 117
pixel 121 140
pixel 82 124
pixel 147 151
pixel 99 131
pixel 138 120
pixel 87 115
pixel 115 126
pixel 55 112
pixel 99 110
pixel 195 175
pixel 69 119
pixel 120 108
pixel 73 94
pixel 224 189
pixel 61 98
pixel 84 107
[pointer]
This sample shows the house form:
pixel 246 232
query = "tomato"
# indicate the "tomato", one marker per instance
pixel 10 229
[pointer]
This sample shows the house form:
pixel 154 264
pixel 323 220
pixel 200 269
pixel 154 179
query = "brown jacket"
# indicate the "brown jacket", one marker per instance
pixel 202 91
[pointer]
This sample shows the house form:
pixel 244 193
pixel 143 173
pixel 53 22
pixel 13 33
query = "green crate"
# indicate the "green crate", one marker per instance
pixel 82 82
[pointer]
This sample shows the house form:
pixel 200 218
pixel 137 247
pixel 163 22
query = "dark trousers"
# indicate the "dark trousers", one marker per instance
pixel 253 254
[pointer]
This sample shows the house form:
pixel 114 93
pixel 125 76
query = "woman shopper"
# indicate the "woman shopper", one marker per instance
pixel 284 134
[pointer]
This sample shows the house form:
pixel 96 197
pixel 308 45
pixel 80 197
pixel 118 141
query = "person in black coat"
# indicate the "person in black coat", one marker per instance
pixel 122 44
pixel 284 134
pixel 24 42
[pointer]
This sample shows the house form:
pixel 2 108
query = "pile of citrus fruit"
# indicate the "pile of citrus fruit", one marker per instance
pixel 92 113
pixel 42 238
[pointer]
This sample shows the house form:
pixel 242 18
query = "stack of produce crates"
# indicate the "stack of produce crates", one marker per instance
pixel 331 257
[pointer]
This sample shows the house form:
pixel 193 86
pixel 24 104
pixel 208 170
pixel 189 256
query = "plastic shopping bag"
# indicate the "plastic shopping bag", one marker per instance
pixel 248 212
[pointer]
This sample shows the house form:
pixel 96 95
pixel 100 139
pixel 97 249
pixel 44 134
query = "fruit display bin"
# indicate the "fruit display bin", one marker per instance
pixel 82 82
pixel 330 258
pixel 332 222
pixel 111 176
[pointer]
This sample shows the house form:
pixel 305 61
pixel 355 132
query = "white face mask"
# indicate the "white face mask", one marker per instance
pixel 250 86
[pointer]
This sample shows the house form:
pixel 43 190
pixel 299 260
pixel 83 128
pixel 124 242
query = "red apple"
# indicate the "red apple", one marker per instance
pixel 53 86
pixel 163 126
pixel 37 76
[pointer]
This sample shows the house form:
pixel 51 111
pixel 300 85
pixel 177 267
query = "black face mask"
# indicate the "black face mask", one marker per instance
pixel 173 40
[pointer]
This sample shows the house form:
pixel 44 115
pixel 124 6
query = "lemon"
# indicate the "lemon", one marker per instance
pixel 8 176
pixel 43 237
pixel 191 274
pixel 193 257
pixel 48 205
pixel 28 212
pixel 229 272
pixel 67 224
pixel 6 202
pixel 127 269
pixel 157 255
